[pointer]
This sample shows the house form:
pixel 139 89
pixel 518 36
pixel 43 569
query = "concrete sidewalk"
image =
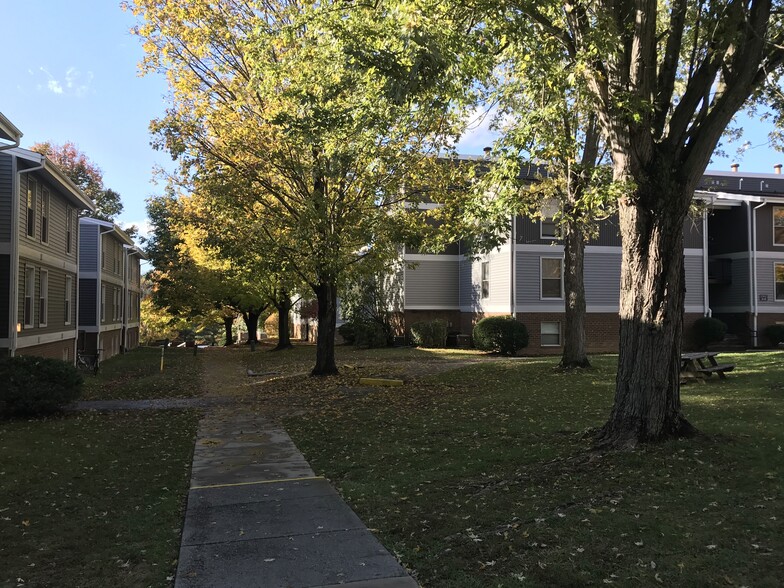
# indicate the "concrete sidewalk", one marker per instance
pixel 258 517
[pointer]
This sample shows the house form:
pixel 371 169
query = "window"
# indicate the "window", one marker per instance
pixel 778 225
pixel 69 215
pixel 45 216
pixel 103 303
pixel 550 334
pixel 31 195
pixel 552 277
pixel 68 298
pixel 485 279
pixel 115 304
pixel 29 292
pixel 779 273
pixel 548 229
pixel 43 299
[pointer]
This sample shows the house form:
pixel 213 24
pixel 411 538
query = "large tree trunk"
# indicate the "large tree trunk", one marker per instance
pixel 228 322
pixel 647 403
pixel 574 354
pixel 251 319
pixel 283 306
pixel 326 294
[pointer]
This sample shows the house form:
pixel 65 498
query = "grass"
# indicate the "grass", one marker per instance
pixel 93 499
pixel 136 376
pixel 482 477
pixel 97 499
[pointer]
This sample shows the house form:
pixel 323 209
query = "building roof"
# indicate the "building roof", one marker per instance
pixel 109 227
pixel 55 175
pixel 9 134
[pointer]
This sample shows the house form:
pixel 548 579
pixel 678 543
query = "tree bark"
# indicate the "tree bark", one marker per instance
pixel 326 294
pixel 228 322
pixel 251 319
pixel 647 403
pixel 283 306
pixel 574 353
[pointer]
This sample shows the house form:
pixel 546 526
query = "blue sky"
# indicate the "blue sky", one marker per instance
pixel 70 74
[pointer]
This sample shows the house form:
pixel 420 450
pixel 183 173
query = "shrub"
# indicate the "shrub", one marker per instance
pixel 348 332
pixel 708 330
pixel 38 385
pixel 370 334
pixel 429 333
pixel 502 334
pixel 774 334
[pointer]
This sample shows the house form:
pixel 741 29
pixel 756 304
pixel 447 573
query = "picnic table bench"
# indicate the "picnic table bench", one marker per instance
pixel 702 365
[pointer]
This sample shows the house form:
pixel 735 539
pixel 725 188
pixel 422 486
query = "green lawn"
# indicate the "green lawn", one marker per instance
pixel 93 499
pixel 96 499
pixel 137 376
pixel 481 477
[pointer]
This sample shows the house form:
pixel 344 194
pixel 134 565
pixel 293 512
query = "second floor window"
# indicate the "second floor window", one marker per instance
pixel 485 279
pixel 549 230
pixel 31 195
pixel 103 303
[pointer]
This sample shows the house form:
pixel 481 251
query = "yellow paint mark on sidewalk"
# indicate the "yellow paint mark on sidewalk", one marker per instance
pixel 259 482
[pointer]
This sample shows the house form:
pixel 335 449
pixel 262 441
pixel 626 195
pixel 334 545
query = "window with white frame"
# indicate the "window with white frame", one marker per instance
pixel 115 304
pixel 485 279
pixel 550 334
pixel 43 299
pixel 29 293
pixel 31 196
pixel 779 277
pixel 552 277
pixel 103 302
pixel 68 298
pixel 778 225
pixel 45 198
pixel 69 217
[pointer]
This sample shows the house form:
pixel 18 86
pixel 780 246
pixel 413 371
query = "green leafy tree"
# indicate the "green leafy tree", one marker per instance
pixel 666 80
pixel 325 111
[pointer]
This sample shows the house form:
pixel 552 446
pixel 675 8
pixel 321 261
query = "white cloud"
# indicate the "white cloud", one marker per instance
pixel 74 82
pixel 54 86
pixel 144 226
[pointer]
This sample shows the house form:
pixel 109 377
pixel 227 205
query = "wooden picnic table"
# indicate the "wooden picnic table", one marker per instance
pixel 702 365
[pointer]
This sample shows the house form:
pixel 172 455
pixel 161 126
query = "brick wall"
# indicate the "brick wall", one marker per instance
pixel 63 350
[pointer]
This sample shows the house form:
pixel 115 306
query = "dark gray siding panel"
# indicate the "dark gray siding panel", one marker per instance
pixel 432 283
pixel 5 294
pixel 736 293
pixel 88 301
pixel 6 188
pixel 692 233
pixel 88 248
pixel 728 231
pixel 695 285
pixel 529 232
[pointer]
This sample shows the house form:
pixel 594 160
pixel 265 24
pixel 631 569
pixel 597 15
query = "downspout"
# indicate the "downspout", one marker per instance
pixel 706 297
pixel 755 306
pixel 512 272
pixel 15 203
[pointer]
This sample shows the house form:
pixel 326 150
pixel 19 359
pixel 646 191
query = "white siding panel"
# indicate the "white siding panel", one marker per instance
pixel 500 281
pixel 432 284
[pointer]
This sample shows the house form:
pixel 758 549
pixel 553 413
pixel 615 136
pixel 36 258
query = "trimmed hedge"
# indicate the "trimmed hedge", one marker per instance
pixel 370 335
pixel 38 385
pixel 430 333
pixel 774 334
pixel 502 334
pixel 708 330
